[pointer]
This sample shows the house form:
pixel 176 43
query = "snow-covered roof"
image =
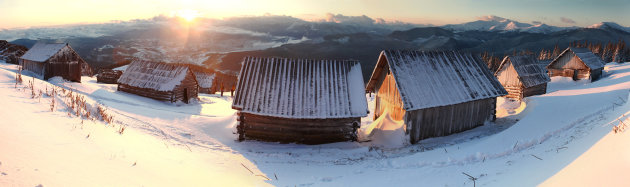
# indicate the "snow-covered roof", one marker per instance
pixel 431 79
pixel 529 70
pixel 153 75
pixel 584 54
pixel 122 68
pixel 587 56
pixel 41 52
pixel 301 88
pixel 204 79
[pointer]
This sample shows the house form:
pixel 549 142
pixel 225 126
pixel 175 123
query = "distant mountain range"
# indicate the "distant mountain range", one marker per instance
pixel 495 23
pixel 222 44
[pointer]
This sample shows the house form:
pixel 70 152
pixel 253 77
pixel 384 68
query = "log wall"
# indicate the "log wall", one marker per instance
pixel 446 120
pixel 35 67
pixel 108 76
pixel 388 98
pixel 188 83
pixel 68 70
pixel 286 130
pixel 535 90
pixel 596 74
pixel 570 65
pixel 145 92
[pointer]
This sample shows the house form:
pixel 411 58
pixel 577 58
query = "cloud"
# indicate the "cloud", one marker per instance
pixel 567 20
pixel 536 22
pixel 491 18
pixel 340 18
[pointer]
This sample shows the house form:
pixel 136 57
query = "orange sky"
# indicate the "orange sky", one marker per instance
pixel 27 13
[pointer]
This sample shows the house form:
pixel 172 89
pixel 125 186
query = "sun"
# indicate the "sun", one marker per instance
pixel 188 15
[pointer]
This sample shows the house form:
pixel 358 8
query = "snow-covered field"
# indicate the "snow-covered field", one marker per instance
pixel 563 138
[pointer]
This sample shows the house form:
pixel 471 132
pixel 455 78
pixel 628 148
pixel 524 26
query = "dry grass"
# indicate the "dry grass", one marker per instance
pixel 75 104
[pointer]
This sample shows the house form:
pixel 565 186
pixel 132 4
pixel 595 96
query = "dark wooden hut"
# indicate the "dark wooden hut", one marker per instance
pixel 299 100
pixel 522 76
pixel 50 60
pixel 11 53
pixel 108 76
pixel 578 63
pixel 205 80
pixel 161 81
pixel 435 93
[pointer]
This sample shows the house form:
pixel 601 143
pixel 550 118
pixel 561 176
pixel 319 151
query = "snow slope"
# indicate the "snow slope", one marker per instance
pixel 548 139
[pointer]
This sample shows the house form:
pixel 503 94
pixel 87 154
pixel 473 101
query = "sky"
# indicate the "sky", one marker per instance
pixel 34 13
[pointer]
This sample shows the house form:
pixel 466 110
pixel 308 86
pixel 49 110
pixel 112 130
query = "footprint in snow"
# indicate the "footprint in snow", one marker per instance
pixel 3 173
pixel 39 185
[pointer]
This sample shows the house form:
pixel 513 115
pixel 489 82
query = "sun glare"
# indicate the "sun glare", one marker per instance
pixel 188 15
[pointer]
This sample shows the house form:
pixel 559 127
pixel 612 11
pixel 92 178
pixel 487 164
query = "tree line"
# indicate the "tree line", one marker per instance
pixel 609 52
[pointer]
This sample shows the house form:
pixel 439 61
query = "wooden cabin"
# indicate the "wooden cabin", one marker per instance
pixel 108 76
pixel 299 100
pixel 50 60
pixel 434 93
pixel 11 53
pixel 577 63
pixel 160 81
pixel 205 81
pixel 522 76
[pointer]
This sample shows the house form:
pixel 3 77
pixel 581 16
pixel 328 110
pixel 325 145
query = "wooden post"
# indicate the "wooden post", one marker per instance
pixel 222 89
pixel 232 90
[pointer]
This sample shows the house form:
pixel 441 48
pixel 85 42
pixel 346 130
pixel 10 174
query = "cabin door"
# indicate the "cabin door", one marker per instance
pixel 186 95
pixel 575 74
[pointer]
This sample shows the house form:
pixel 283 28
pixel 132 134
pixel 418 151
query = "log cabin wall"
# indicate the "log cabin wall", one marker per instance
pixel 569 65
pixel 508 77
pixel 388 98
pixel 446 120
pixel 35 67
pixel 596 74
pixel 146 92
pixel 306 131
pixel 108 76
pixel 534 90
pixel 190 85
pixel 68 70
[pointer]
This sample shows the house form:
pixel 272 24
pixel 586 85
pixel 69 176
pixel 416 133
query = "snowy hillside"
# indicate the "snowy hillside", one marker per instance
pixel 554 140
pixel 495 23
pixel 609 25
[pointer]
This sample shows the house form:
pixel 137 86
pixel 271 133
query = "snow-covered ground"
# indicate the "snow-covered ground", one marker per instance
pixel 554 139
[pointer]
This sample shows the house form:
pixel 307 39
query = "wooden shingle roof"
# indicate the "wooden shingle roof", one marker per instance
pixel 300 88
pixel 432 79
pixel 529 70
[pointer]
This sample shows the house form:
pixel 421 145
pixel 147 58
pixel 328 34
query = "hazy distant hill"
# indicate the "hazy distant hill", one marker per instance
pixel 221 44
pixel 366 47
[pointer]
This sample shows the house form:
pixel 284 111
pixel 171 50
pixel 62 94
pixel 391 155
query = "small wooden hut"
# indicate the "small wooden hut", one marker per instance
pixel 108 76
pixel 299 100
pixel 50 60
pixel 11 53
pixel 205 80
pixel 522 76
pixel 578 63
pixel 160 81
pixel 435 93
